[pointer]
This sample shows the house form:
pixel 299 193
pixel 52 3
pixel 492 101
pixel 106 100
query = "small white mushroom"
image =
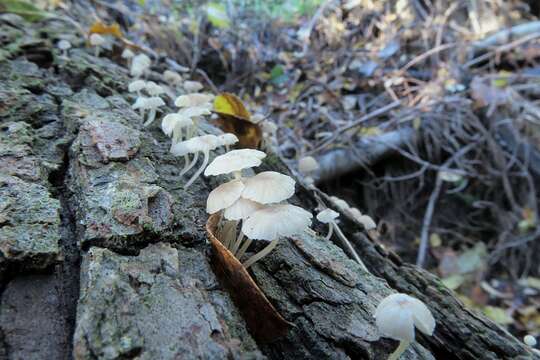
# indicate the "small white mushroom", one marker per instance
pixel 224 196
pixel 227 140
pixel 154 89
pixel 173 124
pixel 396 317
pixel 152 104
pixel 139 64
pixel 239 211
pixel 234 162
pixel 268 187
pixel 367 222
pixel 137 86
pixel 64 46
pixel 272 222
pixel 127 55
pixel 172 77
pixel 307 165
pixel 204 144
pixel 529 340
pixel 194 100
pixel 192 86
pixel 97 41
pixel 329 216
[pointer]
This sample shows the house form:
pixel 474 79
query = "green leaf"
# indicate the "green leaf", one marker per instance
pixel 218 16
pixel 277 75
pixel 23 8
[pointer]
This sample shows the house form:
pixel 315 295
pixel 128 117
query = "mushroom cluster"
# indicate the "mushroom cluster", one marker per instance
pixel 151 101
pixel 255 204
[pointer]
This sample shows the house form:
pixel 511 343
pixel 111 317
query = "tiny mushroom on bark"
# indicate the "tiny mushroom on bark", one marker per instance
pixel 154 89
pixel 307 165
pixel 127 55
pixel 204 144
pixel 152 104
pixel 64 46
pixel 529 340
pixel 96 41
pixel 194 100
pixel 173 124
pixel 192 86
pixel 139 64
pixel 396 317
pixel 172 77
pixel 272 222
pixel 328 216
pixel 137 86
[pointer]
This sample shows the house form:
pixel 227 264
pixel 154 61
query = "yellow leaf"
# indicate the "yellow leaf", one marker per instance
pixel 500 316
pixel 234 118
pixel 230 104
pixel 103 29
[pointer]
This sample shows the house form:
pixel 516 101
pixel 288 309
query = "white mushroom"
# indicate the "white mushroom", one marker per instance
pixel 192 86
pixel 268 187
pixel 139 64
pixel 195 100
pixel 204 144
pixel 172 77
pixel 64 45
pixel 227 140
pixel 272 222
pixel 173 124
pixel 240 210
pixel 234 162
pixel 154 89
pixel 152 104
pixel 224 196
pixel 329 216
pixel 396 317
pixel 529 340
pixel 127 55
pixel 367 222
pixel 96 41
pixel 307 165
pixel 137 86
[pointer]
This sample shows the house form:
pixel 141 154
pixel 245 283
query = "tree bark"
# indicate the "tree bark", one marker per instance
pixel 125 271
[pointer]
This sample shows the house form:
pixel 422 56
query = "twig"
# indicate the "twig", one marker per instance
pixel 424 237
pixel 358 122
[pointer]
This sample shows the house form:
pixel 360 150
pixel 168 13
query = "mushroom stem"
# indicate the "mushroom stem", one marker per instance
pixel 201 168
pixel 258 256
pixel 403 345
pixel 191 164
pixel 330 232
pixel 347 244
pixel 229 232
pixel 237 242
pixel 243 248
pixel 151 117
pixel 96 51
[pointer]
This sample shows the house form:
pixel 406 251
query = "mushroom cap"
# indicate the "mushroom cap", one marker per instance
pixel 191 100
pixel 274 221
pixel 228 139
pixel 203 143
pixel 172 77
pixel 192 86
pixel 136 85
pixel 268 187
pixel 127 54
pixel 241 209
pixel 96 40
pixel 180 149
pixel 529 340
pixel 148 103
pixel 398 314
pixel 194 111
pixel 269 127
pixel 340 203
pixel 367 222
pixel 139 64
pixel 154 89
pixel 224 196
pixel 307 164
pixel 234 160
pixel 172 121
pixel 64 44
pixel 327 216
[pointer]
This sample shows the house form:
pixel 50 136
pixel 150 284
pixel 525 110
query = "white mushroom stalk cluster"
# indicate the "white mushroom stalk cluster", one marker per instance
pixel 256 203
pixel 366 221
pixel 151 101
pixel 398 315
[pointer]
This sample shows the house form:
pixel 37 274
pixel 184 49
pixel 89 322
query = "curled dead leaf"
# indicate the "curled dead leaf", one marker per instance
pixel 265 323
